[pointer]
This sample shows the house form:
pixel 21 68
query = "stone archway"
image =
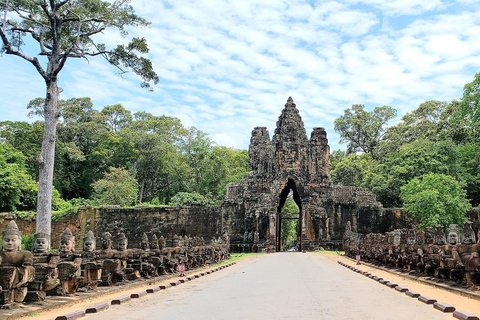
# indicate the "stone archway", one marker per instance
pixel 289 187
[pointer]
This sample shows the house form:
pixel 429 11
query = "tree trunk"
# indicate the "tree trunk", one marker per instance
pixel 46 160
pixel 142 185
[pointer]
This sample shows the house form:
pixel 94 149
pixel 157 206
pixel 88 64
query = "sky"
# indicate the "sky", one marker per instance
pixel 226 67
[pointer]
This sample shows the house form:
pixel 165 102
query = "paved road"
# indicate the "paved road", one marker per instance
pixel 277 286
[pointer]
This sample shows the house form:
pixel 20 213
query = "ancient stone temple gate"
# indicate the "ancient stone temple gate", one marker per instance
pixel 291 162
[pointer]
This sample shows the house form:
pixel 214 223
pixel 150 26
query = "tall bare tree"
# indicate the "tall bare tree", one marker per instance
pixel 65 29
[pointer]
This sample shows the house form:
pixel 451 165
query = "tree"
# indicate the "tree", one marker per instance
pixel 351 170
pixel 435 199
pixel 17 188
pixel 429 121
pixel 468 113
pixel 190 199
pixel 118 187
pixel 117 117
pixel 290 227
pixel 363 130
pixel 67 29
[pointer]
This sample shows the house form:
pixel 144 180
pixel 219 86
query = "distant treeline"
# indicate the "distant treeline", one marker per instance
pixel 114 157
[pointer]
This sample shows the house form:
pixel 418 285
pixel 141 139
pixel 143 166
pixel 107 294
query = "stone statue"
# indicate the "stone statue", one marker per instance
pixel 154 242
pixel 67 242
pixel 144 243
pixel 256 237
pixel 439 236
pixel 107 242
pixel 122 242
pixel 453 234
pixel 428 235
pixel 16 269
pixel 468 235
pixel 396 237
pixel 162 243
pixel 89 242
pixel 41 242
pixel 411 237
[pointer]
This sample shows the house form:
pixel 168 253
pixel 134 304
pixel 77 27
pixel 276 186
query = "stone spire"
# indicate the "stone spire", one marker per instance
pixel 290 139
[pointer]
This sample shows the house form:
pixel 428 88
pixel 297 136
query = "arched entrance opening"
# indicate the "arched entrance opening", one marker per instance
pixel 290 189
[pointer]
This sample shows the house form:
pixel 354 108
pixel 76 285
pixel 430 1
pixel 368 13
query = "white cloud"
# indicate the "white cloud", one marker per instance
pixel 228 66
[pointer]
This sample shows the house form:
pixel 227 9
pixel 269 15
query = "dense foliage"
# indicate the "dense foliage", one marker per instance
pixel 438 141
pixel 113 157
pixel 435 199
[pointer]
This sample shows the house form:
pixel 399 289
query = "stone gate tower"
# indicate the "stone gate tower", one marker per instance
pixel 291 163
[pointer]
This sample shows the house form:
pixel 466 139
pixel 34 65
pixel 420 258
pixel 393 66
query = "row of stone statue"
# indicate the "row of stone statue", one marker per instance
pixel 448 257
pixel 27 276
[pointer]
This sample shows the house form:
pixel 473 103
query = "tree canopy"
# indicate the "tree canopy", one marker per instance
pixel 435 200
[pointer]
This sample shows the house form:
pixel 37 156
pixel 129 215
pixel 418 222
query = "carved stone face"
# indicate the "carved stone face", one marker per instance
pixel 41 244
pixel 11 242
pixel 107 241
pixel 88 245
pixel 453 238
pixel 67 245
pixel 122 244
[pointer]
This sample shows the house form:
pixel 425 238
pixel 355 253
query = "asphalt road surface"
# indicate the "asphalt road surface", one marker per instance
pixel 289 285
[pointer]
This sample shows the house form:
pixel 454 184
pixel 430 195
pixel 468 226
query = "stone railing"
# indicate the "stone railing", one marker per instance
pixel 452 257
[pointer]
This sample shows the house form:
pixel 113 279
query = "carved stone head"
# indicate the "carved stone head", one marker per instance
pixel 144 244
pixel 154 242
pixel 429 235
pixel 11 238
pixel 175 241
pixel 468 235
pixel 122 242
pixel 89 242
pixel 419 237
pixel 411 237
pixel 107 241
pixel 67 241
pixel 439 236
pixel 453 234
pixel 162 243
pixel 397 237
pixel 41 242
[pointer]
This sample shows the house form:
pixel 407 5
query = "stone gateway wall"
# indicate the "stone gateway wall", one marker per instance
pixel 290 162
pixel 163 221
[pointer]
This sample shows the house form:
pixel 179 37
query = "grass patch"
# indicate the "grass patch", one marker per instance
pixel 235 257
pixel 335 253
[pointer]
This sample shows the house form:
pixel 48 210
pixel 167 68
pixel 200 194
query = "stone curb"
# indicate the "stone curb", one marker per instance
pixel 153 290
pixel 412 294
pixel 120 300
pixel 426 300
pixel 462 315
pixel 71 315
pixel 138 294
pixel 445 308
pixel 97 308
